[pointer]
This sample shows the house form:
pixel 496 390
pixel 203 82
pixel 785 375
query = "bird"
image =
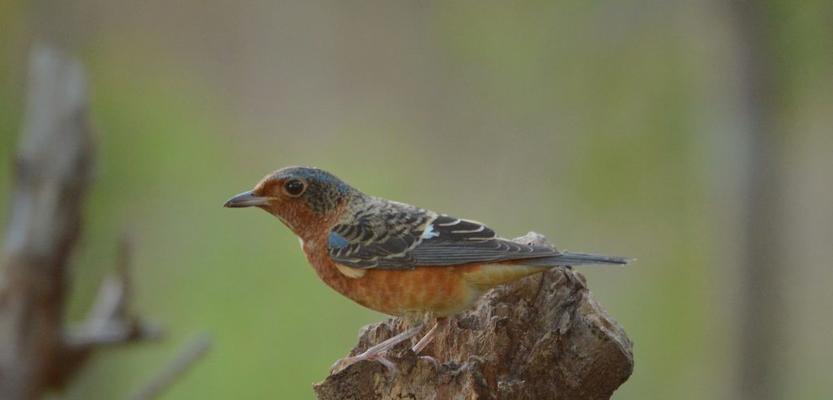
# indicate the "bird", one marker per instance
pixel 396 258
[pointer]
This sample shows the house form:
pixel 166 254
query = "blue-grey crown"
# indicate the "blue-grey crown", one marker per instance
pixel 325 190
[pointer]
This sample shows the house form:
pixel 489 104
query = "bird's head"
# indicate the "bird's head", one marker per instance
pixel 302 198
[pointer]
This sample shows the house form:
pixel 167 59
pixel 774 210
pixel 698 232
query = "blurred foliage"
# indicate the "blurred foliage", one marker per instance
pixel 581 120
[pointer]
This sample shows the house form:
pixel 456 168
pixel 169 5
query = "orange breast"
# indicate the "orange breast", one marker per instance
pixel 442 291
pixel 438 290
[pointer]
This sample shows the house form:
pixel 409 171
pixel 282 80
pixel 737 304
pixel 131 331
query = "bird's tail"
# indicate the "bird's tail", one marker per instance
pixel 572 259
pixel 491 275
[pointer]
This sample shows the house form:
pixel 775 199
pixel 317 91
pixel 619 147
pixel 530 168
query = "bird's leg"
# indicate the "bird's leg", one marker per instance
pixel 426 340
pixel 377 352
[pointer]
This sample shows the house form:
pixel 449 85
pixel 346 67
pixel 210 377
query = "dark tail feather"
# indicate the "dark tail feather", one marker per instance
pixel 572 259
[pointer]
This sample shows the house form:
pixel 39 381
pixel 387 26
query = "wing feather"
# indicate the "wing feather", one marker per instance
pixel 392 235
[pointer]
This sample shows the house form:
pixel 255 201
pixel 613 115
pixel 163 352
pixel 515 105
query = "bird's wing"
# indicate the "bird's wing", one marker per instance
pixel 404 237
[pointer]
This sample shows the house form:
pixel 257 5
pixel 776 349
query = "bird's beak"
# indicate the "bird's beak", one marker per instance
pixel 246 199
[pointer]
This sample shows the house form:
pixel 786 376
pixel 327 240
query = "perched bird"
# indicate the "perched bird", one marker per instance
pixel 396 258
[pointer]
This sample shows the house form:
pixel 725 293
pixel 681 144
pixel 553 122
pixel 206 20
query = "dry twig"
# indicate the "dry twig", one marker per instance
pixel 192 352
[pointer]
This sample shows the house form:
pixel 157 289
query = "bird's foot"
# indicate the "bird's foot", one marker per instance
pixel 433 361
pixel 377 353
pixel 380 357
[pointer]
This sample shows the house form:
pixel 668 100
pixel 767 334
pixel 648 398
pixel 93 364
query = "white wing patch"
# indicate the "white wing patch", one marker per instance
pixel 455 222
pixel 429 232
pixel 480 229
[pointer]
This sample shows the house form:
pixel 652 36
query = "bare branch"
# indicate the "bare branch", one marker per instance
pixel 110 320
pixel 52 173
pixel 192 352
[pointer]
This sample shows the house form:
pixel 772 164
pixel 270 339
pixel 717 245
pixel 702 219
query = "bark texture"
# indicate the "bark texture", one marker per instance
pixel 543 337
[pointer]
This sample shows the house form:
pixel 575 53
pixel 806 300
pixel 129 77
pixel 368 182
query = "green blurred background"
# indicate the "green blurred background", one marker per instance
pixel 613 127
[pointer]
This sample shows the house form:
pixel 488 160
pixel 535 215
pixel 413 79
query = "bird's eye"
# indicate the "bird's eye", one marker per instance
pixel 294 187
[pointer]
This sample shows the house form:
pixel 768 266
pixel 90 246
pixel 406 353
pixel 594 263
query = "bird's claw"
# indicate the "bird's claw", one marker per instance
pixel 381 358
pixel 431 360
